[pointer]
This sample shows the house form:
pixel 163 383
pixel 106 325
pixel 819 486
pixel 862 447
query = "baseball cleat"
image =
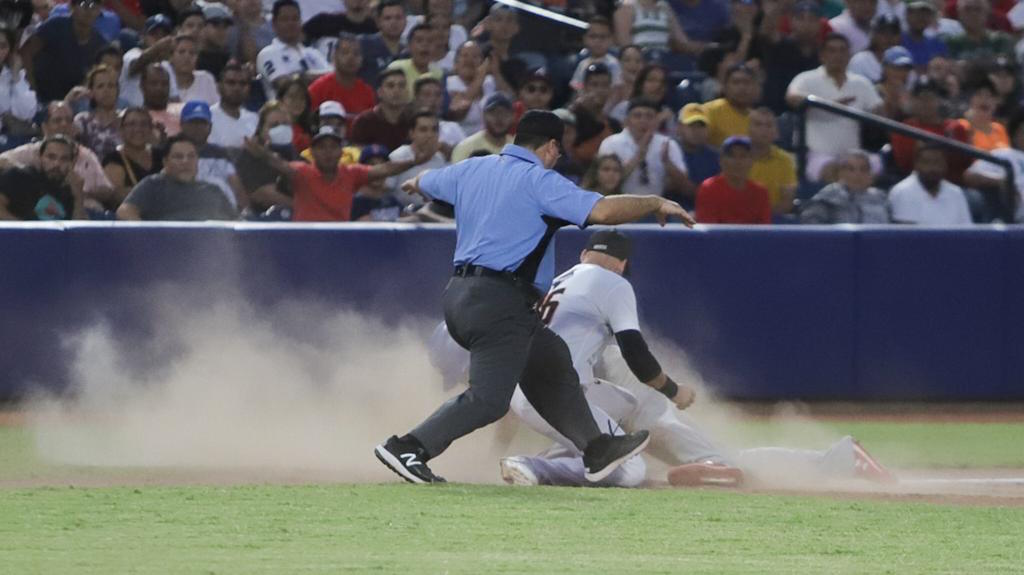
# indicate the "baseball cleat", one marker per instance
pixel 409 461
pixel 705 473
pixel 866 467
pixel 607 452
pixel 516 471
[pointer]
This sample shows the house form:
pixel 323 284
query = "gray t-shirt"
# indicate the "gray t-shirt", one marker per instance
pixel 159 197
pixel 834 204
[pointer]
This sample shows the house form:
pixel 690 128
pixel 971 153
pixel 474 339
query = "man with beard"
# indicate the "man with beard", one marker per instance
pixel 499 118
pixel 50 191
pixel 85 165
pixel 232 123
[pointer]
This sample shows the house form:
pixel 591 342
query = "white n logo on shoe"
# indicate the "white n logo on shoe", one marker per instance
pixel 410 459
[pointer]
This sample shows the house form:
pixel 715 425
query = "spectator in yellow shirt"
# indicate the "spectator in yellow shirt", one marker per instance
pixel 774 168
pixel 730 114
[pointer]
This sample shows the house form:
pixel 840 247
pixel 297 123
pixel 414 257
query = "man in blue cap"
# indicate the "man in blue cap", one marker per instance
pixel 215 165
pixel 507 209
pixel 156 46
pixel 732 197
pixel 499 117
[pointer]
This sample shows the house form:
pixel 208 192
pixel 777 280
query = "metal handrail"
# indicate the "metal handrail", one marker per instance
pixel 899 128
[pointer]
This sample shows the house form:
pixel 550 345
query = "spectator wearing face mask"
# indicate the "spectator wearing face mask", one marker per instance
pixel 265 186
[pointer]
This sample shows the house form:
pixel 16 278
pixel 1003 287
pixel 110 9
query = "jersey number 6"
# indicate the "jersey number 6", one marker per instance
pixel 549 305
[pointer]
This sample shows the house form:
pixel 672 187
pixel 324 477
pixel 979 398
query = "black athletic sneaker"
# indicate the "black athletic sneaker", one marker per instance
pixel 606 453
pixel 406 459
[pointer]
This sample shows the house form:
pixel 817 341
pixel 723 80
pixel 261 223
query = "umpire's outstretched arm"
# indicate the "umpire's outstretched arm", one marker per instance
pixel 612 210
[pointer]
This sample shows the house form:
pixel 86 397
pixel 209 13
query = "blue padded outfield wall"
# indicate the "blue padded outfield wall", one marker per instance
pixel 813 313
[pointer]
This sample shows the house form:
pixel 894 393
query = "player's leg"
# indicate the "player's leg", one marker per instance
pixel 568 470
pixel 551 385
pixel 493 321
pixel 562 464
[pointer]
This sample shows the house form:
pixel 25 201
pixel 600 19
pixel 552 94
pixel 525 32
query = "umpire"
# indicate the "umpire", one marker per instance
pixel 507 209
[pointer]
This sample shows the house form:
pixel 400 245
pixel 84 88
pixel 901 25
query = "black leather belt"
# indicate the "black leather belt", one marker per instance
pixel 470 270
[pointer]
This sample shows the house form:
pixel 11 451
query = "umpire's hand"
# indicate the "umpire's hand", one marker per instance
pixel 668 209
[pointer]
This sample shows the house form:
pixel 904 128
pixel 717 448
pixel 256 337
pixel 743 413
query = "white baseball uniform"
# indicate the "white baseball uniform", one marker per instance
pixel 586 306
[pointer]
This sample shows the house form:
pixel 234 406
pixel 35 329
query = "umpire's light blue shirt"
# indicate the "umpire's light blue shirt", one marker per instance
pixel 499 201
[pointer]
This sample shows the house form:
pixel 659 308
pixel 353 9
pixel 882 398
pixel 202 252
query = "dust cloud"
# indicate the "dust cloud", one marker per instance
pixel 292 389
pixel 304 393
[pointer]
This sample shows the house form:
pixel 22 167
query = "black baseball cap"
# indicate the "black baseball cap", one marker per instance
pixel 611 242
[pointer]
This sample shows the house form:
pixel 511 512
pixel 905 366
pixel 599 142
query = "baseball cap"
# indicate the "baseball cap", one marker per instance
pixel 196 110
pixel 159 21
pixel 217 12
pixel 926 84
pixel 328 132
pixel 537 75
pixel 1003 64
pixel 331 108
pixel 497 99
pixel 641 102
pixel 886 23
pixel 732 141
pixel 921 5
pixel 566 116
pixel 610 242
pixel 898 56
pixel 373 151
pixel 692 113
pixel 498 7
pixel 596 68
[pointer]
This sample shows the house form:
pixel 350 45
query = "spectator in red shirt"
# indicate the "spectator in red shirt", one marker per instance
pixel 323 191
pixel 731 197
pixel 927 97
pixel 343 85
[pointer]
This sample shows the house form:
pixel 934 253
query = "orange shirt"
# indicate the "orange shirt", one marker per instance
pixel 994 139
pixel 317 199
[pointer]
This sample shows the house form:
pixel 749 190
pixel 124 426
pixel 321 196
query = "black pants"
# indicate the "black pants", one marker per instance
pixel 508 344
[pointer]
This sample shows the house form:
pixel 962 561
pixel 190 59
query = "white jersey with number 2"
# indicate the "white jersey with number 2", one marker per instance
pixel 586 307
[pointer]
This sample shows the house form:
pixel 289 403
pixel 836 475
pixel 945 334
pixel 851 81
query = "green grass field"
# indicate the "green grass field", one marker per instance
pixel 395 528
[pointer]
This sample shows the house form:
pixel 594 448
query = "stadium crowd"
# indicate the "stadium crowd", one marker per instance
pixel 317 110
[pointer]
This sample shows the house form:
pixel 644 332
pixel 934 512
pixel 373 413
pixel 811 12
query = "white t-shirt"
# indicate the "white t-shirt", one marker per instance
pixel 394 183
pixel 474 120
pixel 203 88
pixel 828 133
pixel 866 64
pixel 995 171
pixel 845 25
pixel 230 132
pixel 450 133
pixel 625 147
pixel 586 306
pixel 912 203
pixel 310 8
pixel 280 59
pixel 131 90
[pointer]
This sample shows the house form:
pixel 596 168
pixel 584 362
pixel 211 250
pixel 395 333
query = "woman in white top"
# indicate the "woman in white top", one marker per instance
pixel 652 25
pixel 187 83
pixel 469 87
pixel 17 100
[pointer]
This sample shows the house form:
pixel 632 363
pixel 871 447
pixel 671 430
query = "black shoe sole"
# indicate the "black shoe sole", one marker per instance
pixel 611 467
pixel 393 464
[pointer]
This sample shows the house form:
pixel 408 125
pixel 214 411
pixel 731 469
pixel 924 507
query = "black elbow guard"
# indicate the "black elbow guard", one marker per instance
pixel 639 359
